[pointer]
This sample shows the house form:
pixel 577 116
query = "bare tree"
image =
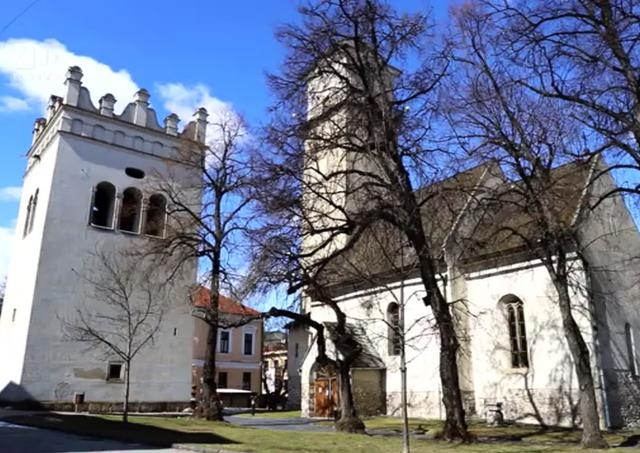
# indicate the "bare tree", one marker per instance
pixel 583 53
pixel 357 133
pixel 207 220
pixel 495 117
pixel 133 305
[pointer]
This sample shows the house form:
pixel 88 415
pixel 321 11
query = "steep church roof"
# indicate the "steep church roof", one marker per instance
pixel 477 212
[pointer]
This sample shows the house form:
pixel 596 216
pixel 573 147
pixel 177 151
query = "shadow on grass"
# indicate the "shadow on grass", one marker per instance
pixel 116 430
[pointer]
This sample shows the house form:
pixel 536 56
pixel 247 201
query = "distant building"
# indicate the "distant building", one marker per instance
pixel 88 185
pixel 274 363
pixel 239 351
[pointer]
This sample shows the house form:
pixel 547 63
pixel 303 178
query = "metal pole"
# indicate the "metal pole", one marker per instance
pixel 403 374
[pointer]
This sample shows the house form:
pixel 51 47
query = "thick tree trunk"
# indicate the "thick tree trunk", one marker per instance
pixel 349 420
pixel 211 408
pixel 591 435
pixel 125 405
pixel 209 405
pixel 455 425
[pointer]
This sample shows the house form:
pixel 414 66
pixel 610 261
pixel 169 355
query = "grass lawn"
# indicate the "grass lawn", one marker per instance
pixel 164 432
pixel 273 414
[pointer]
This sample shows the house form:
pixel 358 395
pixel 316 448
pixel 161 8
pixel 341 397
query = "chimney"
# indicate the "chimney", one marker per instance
pixel 73 83
pixel 201 124
pixel 107 103
pixel 171 124
pixel 141 100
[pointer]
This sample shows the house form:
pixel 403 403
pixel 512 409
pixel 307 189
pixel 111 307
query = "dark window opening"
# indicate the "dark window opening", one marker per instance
pixel 224 341
pixel 246 381
pixel 27 219
pixel 394 329
pixel 134 172
pixel 104 198
pixel 130 210
pixel 156 211
pixel 517 333
pixel 222 380
pixel 33 210
pixel 248 343
pixel 631 349
pixel 297 350
pixel 114 371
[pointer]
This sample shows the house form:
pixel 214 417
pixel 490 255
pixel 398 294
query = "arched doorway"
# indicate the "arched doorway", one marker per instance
pixel 324 390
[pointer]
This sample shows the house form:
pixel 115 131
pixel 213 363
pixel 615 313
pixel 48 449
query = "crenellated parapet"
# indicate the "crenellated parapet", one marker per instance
pixel 138 112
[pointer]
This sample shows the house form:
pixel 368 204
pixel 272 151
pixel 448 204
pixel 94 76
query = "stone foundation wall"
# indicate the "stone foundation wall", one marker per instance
pixel 623 393
pixel 368 392
pixel 294 393
pixel 552 407
pixel 106 407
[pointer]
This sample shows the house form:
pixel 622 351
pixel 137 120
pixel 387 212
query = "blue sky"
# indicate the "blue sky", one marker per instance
pixel 203 52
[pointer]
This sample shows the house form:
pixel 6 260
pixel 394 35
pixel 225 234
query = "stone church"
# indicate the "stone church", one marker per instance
pixel 513 349
pixel 89 185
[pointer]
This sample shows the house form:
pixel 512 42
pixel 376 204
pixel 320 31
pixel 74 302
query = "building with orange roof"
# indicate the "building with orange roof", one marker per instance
pixel 239 349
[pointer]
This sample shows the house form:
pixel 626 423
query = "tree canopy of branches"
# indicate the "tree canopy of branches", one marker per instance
pixel 208 215
pixel 584 54
pixel 133 306
pixel 494 116
pixel 351 139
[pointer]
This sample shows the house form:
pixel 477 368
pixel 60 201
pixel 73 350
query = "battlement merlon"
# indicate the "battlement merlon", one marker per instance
pixel 138 112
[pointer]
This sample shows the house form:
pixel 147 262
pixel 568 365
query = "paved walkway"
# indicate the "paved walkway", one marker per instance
pixel 280 424
pixel 25 439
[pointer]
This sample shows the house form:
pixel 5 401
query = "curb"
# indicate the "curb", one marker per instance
pixel 196 448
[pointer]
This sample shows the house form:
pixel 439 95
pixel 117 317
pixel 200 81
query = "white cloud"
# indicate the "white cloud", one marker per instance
pixel 10 193
pixel 7 235
pixel 185 100
pixel 12 104
pixel 36 70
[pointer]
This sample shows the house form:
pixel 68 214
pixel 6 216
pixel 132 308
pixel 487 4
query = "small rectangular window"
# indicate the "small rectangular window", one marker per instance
pixel 114 371
pixel 246 381
pixel 248 343
pixel 222 380
pixel 297 350
pixel 224 342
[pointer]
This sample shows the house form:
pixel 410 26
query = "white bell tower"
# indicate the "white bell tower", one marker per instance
pixel 87 185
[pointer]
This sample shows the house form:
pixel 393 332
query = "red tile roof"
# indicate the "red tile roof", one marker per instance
pixel 228 306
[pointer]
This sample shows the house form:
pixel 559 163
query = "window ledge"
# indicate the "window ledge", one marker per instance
pixel 131 233
pixel 522 370
pixel 115 381
pixel 101 227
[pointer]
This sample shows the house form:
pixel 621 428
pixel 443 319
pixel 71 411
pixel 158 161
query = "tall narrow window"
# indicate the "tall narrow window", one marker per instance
pixel 156 211
pixel 27 219
pixel 222 380
pixel 246 381
pixel 631 349
pixel 130 210
pixel 393 331
pixel 517 331
pixel 33 210
pixel 102 206
pixel 248 343
pixel 224 342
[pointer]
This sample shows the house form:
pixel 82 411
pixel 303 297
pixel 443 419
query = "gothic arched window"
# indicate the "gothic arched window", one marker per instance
pixel 155 218
pixel 631 349
pixel 517 331
pixel 102 206
pixel 393 323
pixel 130 210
